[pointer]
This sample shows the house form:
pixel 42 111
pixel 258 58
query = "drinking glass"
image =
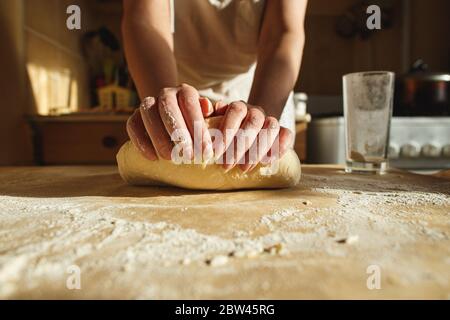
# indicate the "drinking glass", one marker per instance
pixel 368 101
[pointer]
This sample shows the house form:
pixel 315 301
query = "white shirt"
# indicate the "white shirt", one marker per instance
pixel 216 43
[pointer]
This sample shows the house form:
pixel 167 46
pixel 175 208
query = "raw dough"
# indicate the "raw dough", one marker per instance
pixel 137 170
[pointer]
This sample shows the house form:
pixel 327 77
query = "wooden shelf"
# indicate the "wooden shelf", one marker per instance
pixel 78 138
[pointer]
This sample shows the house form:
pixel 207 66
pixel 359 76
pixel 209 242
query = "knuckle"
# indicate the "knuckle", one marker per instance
pixel 272 123
pixel 255 112
pixel 189 90
pixel 163 102
pixel 187 100
pixel 189 95
pixel 255 117
pixel 190 100
pixel 238 107
pixel 260 109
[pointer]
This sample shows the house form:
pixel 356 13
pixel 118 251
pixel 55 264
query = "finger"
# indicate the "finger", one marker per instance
pixel 188 100
pixel 173 120
pixel 220 108
pixel 139 137
pixel 231 122
pixel 246 137
pixel 286 139
pixel 281 144
pixel 262 144
pixel 207 107
pixel 155 128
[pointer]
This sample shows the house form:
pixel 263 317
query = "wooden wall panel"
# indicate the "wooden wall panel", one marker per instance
pixel 327 56
pixel 430 30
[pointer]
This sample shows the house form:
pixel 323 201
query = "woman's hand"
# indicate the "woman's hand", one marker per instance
pixel 247 136
pixel 250 137
pixel 174 111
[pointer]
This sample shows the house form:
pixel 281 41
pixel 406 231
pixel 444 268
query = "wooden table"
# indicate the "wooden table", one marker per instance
pixel 334 236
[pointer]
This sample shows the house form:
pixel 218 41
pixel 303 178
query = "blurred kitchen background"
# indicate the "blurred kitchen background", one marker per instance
pixel 66 95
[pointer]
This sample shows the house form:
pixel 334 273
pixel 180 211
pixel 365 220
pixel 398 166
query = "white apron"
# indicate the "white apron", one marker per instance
pixel 216 44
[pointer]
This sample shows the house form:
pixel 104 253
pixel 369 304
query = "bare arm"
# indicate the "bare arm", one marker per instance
pixel 171 108
pixel 149 45
pixel 279 55
pixel 166 107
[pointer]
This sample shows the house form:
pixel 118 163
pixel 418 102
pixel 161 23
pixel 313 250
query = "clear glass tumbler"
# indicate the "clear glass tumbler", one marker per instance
pixel 368 101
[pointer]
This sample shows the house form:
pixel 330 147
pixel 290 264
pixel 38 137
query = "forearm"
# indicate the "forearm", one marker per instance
pixel 150 57
pixel 276 73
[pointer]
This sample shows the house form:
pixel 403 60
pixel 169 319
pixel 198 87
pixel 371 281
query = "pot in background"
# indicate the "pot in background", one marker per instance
pixel 422 93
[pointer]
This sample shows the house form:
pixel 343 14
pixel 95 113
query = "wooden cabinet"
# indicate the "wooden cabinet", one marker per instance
pixel 76 139
pixel 95 139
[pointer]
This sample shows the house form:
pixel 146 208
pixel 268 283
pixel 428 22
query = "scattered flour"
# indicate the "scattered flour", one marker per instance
pixel 57 232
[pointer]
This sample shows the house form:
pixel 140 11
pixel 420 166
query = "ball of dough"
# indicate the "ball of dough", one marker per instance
pixel 135 169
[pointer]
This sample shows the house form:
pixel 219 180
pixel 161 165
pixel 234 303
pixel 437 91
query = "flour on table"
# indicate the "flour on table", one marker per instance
pixel 117 242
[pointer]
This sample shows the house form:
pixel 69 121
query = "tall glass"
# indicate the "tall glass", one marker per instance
pixel 368 100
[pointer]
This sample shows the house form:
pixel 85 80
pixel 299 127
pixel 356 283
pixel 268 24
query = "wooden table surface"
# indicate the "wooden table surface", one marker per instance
pixel 334 236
